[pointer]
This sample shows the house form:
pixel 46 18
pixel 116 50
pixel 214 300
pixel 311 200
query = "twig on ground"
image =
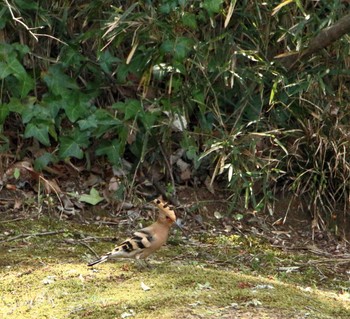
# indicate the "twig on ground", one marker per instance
pixel 105 222
pixel 20 236
pixel 91 239
pixel 88 247
pixel 327 261
pixel 12 220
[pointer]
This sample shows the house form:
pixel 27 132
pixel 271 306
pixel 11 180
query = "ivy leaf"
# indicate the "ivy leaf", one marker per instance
pixel 93 198
pixel 111 149
pixel 5 70
pixel 88 123
pixel 58 82
pixel 39 131
pixel 21 106
pixel 182 48
pixel 212 6
pixel 15 66
pixel 130 108
pixel 52 105
pixel 106 61
pixel 42 161
pixel 6 50
pixel 179 47
pixel 133 107
pixel 69 148
pixel 26 84
pixel 167 46
pixel 81 138
pixel 71 57
pixel 4 112
pixel 106 122
pixel 190 20
pixel 148 119
pixel 76 106
pixel 20 49
pixel 32 112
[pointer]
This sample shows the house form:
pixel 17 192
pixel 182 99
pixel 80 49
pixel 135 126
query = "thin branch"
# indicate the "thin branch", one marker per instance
pixel 89 248
pixel 325 38
pixel 12 220
pixel 34 35
pixel 33 235
pixel 50 36
pixel 169 168
pixel 20 21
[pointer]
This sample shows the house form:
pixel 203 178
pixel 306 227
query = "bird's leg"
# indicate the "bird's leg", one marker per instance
pixel 148 265
pixel 142 263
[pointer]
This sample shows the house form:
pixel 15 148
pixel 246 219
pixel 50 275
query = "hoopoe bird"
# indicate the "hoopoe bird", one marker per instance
pixel 146 240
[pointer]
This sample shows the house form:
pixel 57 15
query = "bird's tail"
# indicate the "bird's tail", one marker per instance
pixel 98 261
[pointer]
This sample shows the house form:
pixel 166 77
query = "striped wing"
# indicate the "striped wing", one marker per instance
pixel 130 248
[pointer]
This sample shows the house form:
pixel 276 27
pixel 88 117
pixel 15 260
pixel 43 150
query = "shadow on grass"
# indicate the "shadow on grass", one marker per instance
pixel 44 277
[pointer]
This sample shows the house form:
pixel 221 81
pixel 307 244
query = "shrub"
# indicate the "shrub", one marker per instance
pixel 148 78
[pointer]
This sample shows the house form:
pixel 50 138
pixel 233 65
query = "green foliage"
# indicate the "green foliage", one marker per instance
pixel 12 72
pixel 93 198
pixel 114 76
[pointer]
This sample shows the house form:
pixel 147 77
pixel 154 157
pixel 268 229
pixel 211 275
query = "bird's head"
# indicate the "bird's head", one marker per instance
pixel 166 213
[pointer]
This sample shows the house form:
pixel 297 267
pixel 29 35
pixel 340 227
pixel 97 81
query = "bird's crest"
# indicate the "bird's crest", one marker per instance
pixel 165 208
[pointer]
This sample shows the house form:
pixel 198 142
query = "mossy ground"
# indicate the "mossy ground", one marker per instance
pixel 215 277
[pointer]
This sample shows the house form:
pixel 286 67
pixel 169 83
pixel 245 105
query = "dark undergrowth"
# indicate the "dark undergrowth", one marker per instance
pixel 180 92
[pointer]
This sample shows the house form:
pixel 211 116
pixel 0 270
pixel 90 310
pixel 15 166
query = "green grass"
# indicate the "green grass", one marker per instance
pixel 46 277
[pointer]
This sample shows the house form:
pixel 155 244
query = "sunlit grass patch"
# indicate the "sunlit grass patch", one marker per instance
pixel 46 276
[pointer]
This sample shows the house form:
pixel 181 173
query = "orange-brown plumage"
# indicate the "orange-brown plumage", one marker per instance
pixel 146 240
